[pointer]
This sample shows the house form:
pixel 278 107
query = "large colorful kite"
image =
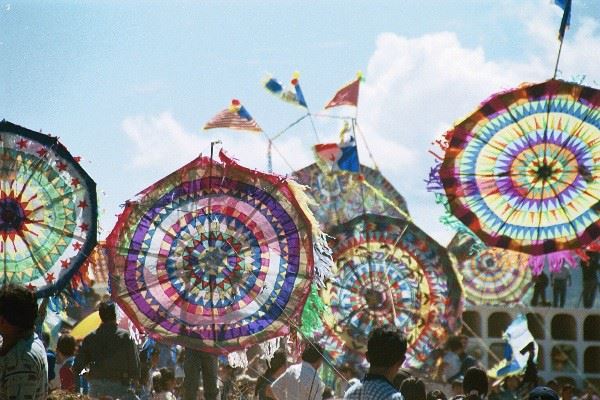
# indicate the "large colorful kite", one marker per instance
pixel 48 211
pixel 492 276
pixel 216 257
pixel 339 195
pixel 391 272
pixel 521 171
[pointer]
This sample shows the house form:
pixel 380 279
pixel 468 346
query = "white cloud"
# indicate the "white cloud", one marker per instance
pixel 415 89
pixel 162 143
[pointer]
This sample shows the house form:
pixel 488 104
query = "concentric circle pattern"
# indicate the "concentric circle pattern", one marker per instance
pixel 391 273
pixel 521 172
pixel 213 257
pixel 496 277
pixel 47 210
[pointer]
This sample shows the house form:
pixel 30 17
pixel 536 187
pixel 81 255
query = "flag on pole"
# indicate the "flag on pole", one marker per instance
pixel 347 95
pixel 342 156
pixel 235 117
pixel 566 19
pixel 292 95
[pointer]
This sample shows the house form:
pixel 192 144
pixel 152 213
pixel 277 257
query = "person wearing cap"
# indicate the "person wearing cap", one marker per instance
pixel 111 356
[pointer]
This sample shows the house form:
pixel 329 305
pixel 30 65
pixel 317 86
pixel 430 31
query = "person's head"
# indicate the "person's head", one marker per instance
pixel 511 383
pixel 543 393
pixel 567 391
pixel 457 386
pixel 436 395
pixel 327 393
pixel 455 344
pixel 400 377
pixel 386 348
pixel 475 383
pixel 313 354
pixel 553 384
pixel 347 371
pixel 107 311
pixel 413 389
pixel 278 363
pixel 66 345
pixel 18 309
pixel 167 379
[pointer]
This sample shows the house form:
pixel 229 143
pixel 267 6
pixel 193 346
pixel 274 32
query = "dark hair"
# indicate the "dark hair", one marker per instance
pixel 475 380
pixel 386 347
pixel 436 395
pixel 454 343
pixel 327 393
pixel 312 353
pixel 66 345
pixel 107 311
pixel 18 306
pixel 279 360
pixel 160 380
pixel 413 389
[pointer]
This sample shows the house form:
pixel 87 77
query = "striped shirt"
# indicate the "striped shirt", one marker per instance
pixel 373 387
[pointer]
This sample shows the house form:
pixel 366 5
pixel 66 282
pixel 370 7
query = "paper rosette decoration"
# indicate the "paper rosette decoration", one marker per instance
pixel 48 211
pixel 390 272
pixel 215 257
pixel 338 197
pixel 521 171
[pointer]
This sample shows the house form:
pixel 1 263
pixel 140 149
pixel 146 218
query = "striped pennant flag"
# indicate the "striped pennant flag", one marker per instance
pixel 235 117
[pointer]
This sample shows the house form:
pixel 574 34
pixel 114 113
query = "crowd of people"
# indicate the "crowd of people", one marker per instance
pixel 108 364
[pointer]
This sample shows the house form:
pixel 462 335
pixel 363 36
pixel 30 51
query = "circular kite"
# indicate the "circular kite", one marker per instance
pixel 521 172
pixel 339 195
pixel 215 257
pixel 495 277
pixel 491 276
pixel 391 273
pixel 48 211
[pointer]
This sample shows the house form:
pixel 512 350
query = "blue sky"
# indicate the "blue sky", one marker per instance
pixel 128 85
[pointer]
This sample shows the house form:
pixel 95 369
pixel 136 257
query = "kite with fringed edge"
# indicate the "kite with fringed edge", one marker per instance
pixel 217 257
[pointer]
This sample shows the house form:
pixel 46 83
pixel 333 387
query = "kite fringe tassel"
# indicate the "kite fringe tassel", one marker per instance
pixel 238 359
pixel 435 186
pixel 324 266
pixel 323 262
pixel 555 261
pixel 312 314
pixel 269 348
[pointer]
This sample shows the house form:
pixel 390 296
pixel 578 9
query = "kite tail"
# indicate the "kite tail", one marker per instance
pixel 237 359
pixel 312 314
pixel 269 348
pixel 324 266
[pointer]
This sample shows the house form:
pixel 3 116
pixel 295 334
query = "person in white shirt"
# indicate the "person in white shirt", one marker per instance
pixel 301 381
